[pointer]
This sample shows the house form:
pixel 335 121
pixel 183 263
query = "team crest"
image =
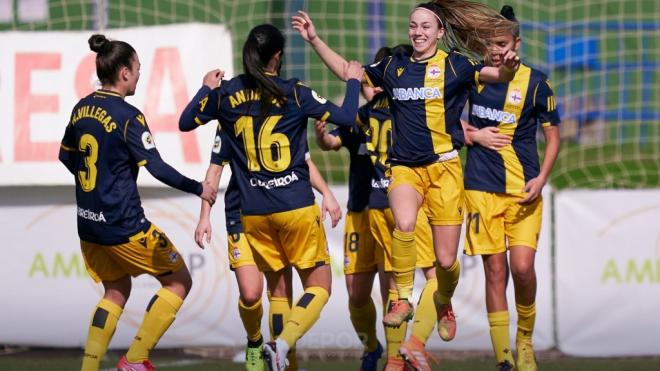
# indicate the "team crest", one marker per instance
pixel 236 253
pixel 399 71
pixel 216 144
pixel 515 97
pixel 433 72
pixel 347 261
pixel 319 98
pixel 174 257
pixel 148 141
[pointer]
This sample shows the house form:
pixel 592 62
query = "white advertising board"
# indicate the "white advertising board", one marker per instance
pixel 608 272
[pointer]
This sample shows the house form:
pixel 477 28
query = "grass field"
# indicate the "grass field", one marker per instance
pixel 61 360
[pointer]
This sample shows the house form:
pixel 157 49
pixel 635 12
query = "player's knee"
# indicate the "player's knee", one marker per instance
pixel 496 274
pixel 406 225
pixel 446 261
pixel 250 297
pixel 522 271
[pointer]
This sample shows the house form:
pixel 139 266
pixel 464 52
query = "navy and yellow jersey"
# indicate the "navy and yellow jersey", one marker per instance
pixel 360 169
pixel 105 143
pixel 268 154
pixel 376 122
pixel 516 108
pixel 426 100
pixel 221 155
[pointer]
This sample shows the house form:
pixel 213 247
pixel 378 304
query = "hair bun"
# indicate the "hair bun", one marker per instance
pixel 507 12
pixel 97 42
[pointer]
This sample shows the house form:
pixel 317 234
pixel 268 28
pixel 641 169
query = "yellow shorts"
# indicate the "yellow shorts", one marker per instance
pixel 239 251
pixel 441 186
pixel 381 222
pixel 496 221
pixel 148 252
pixel 294 237
pixel 359 247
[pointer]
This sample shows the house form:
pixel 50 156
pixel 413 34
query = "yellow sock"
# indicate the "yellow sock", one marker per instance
pixel 499 336
pixel 447 281
pixel 404 257
pixel 394 335
pixel 425 315
pixel 278 314
pixel 304 314
pixel 103 325
pixel 364 322
pixel 526 319
pixel 251 318
pixel 160 314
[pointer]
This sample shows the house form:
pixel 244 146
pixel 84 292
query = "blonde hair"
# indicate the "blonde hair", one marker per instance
pixel 468 25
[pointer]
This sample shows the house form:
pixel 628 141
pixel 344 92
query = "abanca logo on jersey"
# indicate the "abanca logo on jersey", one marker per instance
pixel 416 93
pixel 282 181
pixel 91 215
pixel 493 114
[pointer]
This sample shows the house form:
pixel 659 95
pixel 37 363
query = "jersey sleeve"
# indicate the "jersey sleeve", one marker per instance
pixel 318 107
pixel 142 148
pixel 202 108
pixel 139 140
pixel 68 150
pixel 466 69
pixel 375 73
pixel 363 114
pixel 222 151
pixel 545 105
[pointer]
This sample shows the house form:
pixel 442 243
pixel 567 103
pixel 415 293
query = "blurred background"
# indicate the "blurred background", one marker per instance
pixel 599 255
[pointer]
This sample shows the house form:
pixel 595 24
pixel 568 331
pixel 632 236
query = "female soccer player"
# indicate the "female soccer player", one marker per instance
pixel 503 185
pixel 105 143
pixel 241 260
pixel 265 120
pixel 426 93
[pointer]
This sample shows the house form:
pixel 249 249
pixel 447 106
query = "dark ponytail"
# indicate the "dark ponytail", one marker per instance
pixel 111 56
pixel 262 43
pixel 507 12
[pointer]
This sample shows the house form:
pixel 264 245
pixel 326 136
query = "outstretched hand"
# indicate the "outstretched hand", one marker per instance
pixel 303 24
pixel 510 60
pixel 212 78
pixel 354 70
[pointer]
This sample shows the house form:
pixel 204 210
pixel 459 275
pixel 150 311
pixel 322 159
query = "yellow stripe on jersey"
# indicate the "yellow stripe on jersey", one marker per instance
pixel 435 108
pixel 325 116
pixel 68 149
pixel 142 163
pixel 546 124
pixel 198 121
pixel 515 100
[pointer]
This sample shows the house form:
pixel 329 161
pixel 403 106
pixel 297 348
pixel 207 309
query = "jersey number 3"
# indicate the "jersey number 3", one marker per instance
pixel 90 148
pixel 274 148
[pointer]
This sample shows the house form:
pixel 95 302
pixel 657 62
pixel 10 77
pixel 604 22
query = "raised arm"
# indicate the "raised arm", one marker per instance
pixel 335 62
pixel 196 114
pixel 504 73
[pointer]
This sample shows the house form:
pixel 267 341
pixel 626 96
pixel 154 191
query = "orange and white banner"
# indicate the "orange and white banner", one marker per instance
pixel 44 74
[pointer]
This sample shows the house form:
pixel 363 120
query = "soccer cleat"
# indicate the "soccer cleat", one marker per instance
pixel 398 312
pixel 394 364
pixel 504 366
pixel 370 359
pixel 413 353
pixel 124 365
pixel 273 359
pixel 526 360
pixel 254 360
pixel 446 320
